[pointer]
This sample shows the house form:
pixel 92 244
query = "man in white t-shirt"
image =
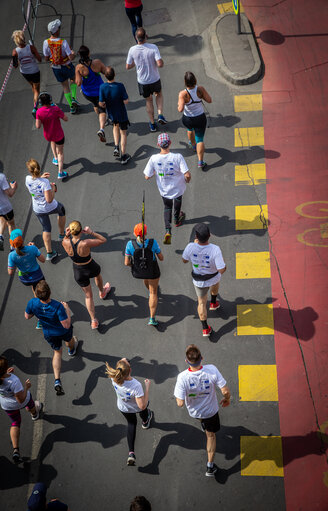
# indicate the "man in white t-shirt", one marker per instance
pixel 172 174
pixel 6 210
pixel 207 267
pixel 195 387
pixel 147 59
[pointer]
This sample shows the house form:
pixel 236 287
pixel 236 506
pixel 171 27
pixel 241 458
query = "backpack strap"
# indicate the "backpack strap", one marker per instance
pixel 150 244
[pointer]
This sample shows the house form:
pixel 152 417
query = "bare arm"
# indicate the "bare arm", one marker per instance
pixel 185 261
pixel 71 56
pixel 226 396
pixel 160 63
pixel 147 177
pixel 187 176
pixel 203 94
pixel 10 191
pixel 36 53
pixel 180 402
pixel 11 271
pixel 143 401
pixel 100 239
pixel 38 124
pixel 50 194
pixel 181 100
pixel 127 260
pixel 65 118
pixel 222 270
pixel 28 316
pixel 160 256
pixel 125 101
pixel 78 77
pixel 66 323
pixel 21 396
pixel 129 66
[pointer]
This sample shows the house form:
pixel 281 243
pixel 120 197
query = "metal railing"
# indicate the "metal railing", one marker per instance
pixel 30 9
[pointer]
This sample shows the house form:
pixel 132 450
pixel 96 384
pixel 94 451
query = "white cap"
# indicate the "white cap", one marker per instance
pixel 53 26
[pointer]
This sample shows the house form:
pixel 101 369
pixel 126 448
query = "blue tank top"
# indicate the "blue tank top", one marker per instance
pixel 90 85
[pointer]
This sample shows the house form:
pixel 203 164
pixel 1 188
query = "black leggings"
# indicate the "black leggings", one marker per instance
pixel 168 205
pixel 132 425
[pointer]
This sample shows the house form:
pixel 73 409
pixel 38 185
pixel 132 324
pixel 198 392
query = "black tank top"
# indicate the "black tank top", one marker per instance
pixel 76 258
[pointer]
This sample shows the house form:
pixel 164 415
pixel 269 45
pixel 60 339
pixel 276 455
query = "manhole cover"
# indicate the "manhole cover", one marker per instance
pixel 156 16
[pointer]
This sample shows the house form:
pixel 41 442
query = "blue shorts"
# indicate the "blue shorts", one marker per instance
pixel 64 73
pixel 56 340
pixel 44 217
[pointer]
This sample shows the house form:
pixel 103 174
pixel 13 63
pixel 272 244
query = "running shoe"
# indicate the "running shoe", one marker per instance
pixel 202 165
pixel 1 242
pixel 108 122
pixel 153 322
pixel 38 325
pixel 34 112
pixel 73 109
pixel 38 408
pixel 215 306
pixel 58 388
pixel 51 256
pixel 101 135
pixel 152 127
pixel 207 331
pixel 146 425
pixel 210 471
pixel 75 102
pixel 116 151
pixel 61 237
pixel 161 119
pixel 192 146
pixel 62 175
pixel 16 456
pixel 72 352
pixel 106 289
pixel 179 221
pixel 131 461
pixel 55 161
pixel 125 158
pixel 167 238
pixel 94 324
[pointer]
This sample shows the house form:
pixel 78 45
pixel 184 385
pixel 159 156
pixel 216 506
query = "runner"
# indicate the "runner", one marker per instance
pixel 44 204
pixel 13 397
pixel 131 399
pixel 6 210
pixel 87 76
pixel 133 10
pixel 56 323
pixel 113 96
pixel 150 274
pixel 195 387
pixel 147 59
pixel 207 267
pixel 58 52
pixel 48 116
pixel 194 119
pixel 172 174
pixel 84 267
pixel 38 501
pixel 27 56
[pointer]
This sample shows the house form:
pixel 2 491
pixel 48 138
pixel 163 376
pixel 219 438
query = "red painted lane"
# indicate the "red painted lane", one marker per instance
pixel 295 118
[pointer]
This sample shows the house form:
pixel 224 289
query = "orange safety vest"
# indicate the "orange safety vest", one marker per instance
pixel 55 48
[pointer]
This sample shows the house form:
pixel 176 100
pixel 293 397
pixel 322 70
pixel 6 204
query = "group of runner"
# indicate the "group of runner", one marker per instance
pixel 195 387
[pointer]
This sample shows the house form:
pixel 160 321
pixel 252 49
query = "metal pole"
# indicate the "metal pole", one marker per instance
pixel 238 21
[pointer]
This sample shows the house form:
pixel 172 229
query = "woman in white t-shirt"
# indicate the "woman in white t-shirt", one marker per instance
pixel 44 204
pixel 13 397
pixel 131 399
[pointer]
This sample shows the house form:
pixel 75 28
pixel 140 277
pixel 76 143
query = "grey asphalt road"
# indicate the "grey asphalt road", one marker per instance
pixel 79 448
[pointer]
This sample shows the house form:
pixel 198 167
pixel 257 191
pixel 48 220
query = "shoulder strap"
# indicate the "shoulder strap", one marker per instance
pixel 150 243
pixel 135 244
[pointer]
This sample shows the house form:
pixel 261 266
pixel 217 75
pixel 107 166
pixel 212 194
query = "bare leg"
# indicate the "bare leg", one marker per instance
pixel 200 148
pixel 123 141
pixel 102 120
pixel 61 224
pixel 47 241
pixel 159 102
pixel 14 436
pixel 96 110
pixel 191 137
pixel 36 92
pixel 56 363
pixel 66 87
pixel 60 156
pixel 70 344
pixel 150 108
pixel 11 225
pixel 210 446
pixel 54 149
pixel 152 286
pixel 89 303
pixel 116 134
pixel 202 312
pixel 2 225
pixel 99 283
pixel 214 290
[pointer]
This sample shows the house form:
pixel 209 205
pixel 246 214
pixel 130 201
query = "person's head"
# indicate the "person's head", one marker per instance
pixel 3 367
pixel 140 503
pixel 84 53
pixel 202 232
pixel 190 79
pixel 141 35
pixel 110 73
pixel 42 291
pixel 45 99
pixel 163 141
pixel 18 37
pixel 37 500
pixel 33 167
pixel 120 373
pixel 137 231
pixel 193 355
pixel 16 241
pixel 75 228
pixel 54 27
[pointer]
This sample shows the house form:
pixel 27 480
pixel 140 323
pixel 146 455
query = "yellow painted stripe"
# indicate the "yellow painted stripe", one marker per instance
pixel 248 103
pixel 255 319
pixel 227 7
pixel 253 174
pixel 251 217
pixel 261 456
pixel 246 137
pixel 253 265
pixel 258 383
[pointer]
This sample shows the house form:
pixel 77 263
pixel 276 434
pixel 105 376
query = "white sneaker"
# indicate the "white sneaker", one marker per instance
pixel 38 408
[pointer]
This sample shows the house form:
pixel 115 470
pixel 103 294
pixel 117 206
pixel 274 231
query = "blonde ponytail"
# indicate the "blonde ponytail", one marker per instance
pixel 120 374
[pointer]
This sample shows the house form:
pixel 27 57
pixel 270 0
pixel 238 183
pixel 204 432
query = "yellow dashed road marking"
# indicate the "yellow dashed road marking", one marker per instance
pixel 255 319
pixel 253 174
pixel 227 7
pixel 246 137
pixel 253 265
pixel 248 103
pixel 249 217
pixel 258 383
pixel 261 456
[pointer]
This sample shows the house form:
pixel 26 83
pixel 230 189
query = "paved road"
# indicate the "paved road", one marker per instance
pixel 81 441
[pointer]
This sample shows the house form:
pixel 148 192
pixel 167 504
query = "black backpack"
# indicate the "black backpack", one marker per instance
pixel 144 266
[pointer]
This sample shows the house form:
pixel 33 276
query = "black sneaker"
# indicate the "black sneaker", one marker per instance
pixel 58 388
pixel 125 158
pixel 210 471
pixel 146 425
pixel 16 456
pixel 131 461
pixel 116 151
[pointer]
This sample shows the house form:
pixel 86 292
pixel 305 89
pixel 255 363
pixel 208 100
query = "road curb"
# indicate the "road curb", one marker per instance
pixel 233 76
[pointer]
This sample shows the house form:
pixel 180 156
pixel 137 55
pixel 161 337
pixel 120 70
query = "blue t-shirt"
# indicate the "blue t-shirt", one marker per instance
pixel 129 249
pixel 50 314
pixel 26 263
pixel 113 94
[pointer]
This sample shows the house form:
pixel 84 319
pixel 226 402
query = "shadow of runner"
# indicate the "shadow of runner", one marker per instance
pixel 14 476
